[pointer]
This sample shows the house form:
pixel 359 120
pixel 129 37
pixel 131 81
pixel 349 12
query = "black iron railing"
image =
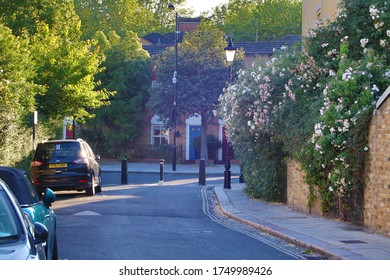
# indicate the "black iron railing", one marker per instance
pixel 155 152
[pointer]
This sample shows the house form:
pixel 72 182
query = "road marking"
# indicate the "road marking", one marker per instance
pixel 86 213
pixel 222 221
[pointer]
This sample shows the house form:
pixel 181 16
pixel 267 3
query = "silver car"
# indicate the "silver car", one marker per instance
pixel 19 239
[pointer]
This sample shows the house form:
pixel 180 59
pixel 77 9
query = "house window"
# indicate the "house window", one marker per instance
pixel 160 135
pixel 159 131
pixel 319 13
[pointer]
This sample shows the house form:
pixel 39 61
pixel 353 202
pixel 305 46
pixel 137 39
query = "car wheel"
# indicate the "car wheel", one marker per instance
pixel 91 191
pixel 98 188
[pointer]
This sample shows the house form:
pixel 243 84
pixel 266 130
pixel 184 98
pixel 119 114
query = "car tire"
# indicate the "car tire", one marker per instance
pixel 90 191
pixel 98 188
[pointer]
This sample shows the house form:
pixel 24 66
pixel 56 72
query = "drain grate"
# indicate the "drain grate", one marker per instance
pixel 353 241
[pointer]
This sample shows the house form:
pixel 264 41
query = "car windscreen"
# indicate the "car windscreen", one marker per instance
pixel 57 150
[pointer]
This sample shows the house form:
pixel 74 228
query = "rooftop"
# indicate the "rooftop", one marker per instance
pixel 159 42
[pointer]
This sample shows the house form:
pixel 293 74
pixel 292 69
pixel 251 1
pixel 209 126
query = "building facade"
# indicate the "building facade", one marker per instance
pixel 188 130
pixel 314 11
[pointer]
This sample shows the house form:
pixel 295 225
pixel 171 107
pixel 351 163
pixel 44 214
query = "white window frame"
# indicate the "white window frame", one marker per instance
pixel 162 126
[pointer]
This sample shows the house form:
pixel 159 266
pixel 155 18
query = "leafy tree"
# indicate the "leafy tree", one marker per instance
pixel 22 16
pixel 66 68
pixel 17 91
pixel 119 16
pixel 201 77
pixel 256 20
pixel 65 65
pixel 162 18
pixel 139 16
pixel 126 72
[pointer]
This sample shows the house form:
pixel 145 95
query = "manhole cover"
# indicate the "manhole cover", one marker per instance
pixel 352 241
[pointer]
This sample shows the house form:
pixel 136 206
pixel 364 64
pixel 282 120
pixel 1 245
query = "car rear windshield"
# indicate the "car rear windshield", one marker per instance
pixel 21 186
pixel 57 150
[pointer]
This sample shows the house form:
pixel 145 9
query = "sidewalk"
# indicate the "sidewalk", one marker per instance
pixel 154 167
pixel 334 239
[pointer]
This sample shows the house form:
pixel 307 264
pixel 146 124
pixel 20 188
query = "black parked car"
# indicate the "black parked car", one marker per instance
pixel 67 164
pixel 36 209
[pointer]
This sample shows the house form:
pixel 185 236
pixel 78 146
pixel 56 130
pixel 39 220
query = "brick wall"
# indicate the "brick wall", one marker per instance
pixel 377 188
pixel 377 176
pixel 298 190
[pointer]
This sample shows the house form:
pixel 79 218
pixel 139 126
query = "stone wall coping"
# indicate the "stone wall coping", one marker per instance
pixel 383 98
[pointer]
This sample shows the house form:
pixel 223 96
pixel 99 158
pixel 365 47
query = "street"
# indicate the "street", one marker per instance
pixel 145 221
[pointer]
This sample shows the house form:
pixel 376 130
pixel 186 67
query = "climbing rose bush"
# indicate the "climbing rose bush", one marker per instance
pixel 315 105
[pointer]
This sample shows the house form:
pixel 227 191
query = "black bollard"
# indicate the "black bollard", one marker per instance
pixel 241 178
pixel 227 174
pixel 202 172
pixel 124 171
pixel 161 172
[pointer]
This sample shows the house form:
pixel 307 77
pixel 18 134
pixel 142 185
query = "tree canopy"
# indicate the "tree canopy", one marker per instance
pixel 65 64
pixel 139 16
pixel 17 90
pixel 126 72
pixel 201 77
pixel 259 20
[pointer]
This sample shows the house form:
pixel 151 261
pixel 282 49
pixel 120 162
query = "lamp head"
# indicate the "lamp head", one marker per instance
pixel 230 51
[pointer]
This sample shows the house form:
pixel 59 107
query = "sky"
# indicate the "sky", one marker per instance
pixel 203 5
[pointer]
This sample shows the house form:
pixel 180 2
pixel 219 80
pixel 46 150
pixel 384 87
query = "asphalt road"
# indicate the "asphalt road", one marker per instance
pixel 147 221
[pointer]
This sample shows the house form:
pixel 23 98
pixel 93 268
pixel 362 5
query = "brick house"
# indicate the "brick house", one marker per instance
pixel 314 11
pixel 155 133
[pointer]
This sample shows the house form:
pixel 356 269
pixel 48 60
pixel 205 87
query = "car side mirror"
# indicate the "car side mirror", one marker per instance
pixel 40 233
pixel 48 197
pixel 97 157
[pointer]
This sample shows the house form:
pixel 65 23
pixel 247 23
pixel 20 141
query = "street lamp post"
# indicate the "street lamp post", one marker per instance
pixel 230 52
pixel 174 81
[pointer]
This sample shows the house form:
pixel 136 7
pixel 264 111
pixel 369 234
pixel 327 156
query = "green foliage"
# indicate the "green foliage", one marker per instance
pixel 251 20
pixel 17 90
pixel 355 51
pixel 119 16
pixel 22 16
pixel 48 69
pixel 139 16
pixel 250 110
pixel 66 69
pixel 65 65
pixel 340 138
pixel 126 73
pixel 316 105
pixel 264 169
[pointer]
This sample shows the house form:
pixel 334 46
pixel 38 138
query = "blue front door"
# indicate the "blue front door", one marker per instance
pixel 195 131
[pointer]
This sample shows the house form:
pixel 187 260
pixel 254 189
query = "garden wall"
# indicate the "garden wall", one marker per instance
pixel 298 190
pixel 377 188
pixel 377 176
